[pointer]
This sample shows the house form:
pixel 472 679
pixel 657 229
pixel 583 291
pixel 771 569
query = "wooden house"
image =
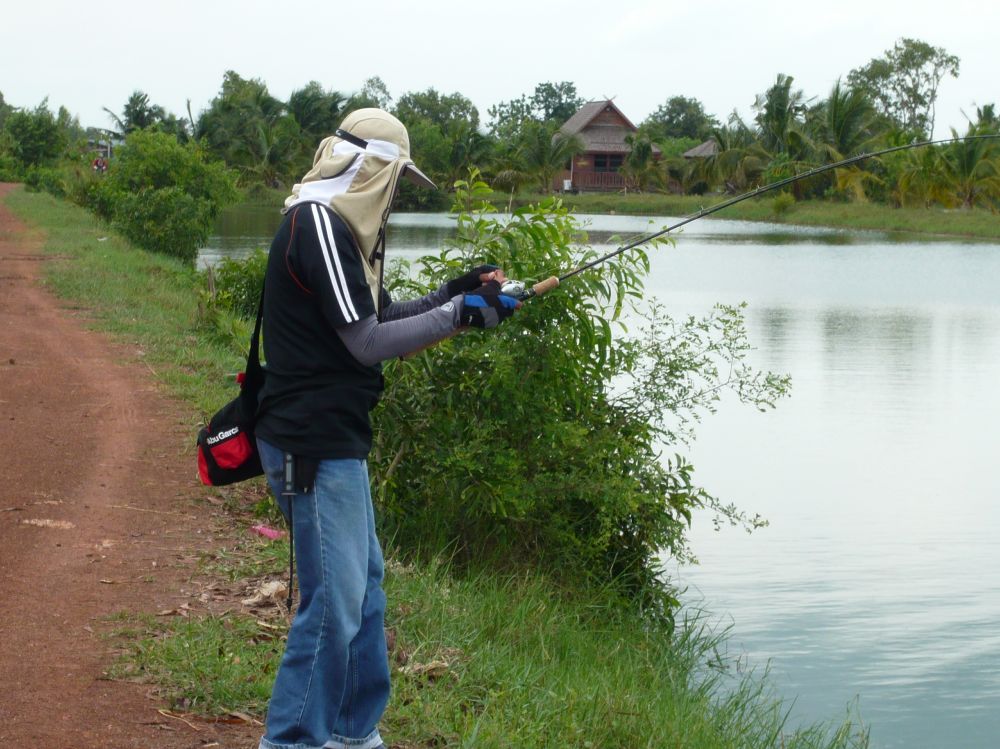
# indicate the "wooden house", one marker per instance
pixel 602 127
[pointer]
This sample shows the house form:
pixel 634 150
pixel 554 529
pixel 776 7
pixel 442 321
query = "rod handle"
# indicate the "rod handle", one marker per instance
pixel 544 286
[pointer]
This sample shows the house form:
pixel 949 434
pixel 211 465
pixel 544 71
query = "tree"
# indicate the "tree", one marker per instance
pixel 468 149
pixel 443 110
pixel 550 102
pixel 844 123
pixel 780 118
pixel 137 114
pixel 971 170
pixel 35 137
pixel 317 111
pixel 543 151
pixel 508 117
pixel 918 177
pixel 739 161
pixel 5 110
pixel 987 121
pixel 639 167
pixel 680 117
pixel 373 93
pixel 70 126
pixel 781 132
pixel 841 126
pixel 555 101
pixel 904 83
pixel 140 114
pixel 444 135
pixel 251 131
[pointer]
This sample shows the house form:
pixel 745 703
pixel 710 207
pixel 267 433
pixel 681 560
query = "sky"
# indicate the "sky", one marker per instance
pixel 87 56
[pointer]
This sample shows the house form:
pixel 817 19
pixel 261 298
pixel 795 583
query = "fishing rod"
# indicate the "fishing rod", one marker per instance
pixel 521 291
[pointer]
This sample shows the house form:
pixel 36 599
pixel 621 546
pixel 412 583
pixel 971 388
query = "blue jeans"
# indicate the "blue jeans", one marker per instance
pixel 333 682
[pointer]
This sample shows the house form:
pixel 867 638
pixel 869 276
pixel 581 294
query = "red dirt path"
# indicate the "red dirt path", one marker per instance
pixel 97 482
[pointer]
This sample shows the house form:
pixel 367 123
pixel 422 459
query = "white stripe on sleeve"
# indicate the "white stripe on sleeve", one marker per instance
pixel 329 267
pixel 336 260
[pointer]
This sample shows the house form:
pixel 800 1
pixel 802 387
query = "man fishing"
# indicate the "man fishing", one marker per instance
pixel 328 323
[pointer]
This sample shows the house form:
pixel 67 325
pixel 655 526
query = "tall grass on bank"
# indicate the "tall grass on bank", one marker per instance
pixel 502 661
pixel 480 659
pixel 973 223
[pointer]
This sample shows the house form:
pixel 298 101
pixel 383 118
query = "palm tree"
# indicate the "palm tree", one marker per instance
pixel 317 111
pixel 740 160
pixel 268 152
pixel 842 126
pixel 639 167
pixel 468 147
pixel 970 169
pixel 920 178
pixel 251 131
pixel 137 114
pixel 542 151
pixel 781 119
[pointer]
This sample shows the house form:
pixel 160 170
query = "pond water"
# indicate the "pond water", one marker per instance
pixel 877 578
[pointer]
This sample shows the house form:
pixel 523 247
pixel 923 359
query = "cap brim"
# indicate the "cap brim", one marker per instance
pixel 417 177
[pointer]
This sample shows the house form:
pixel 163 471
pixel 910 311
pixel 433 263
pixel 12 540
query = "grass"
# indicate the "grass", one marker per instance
pixel 209 665
pixel 500 661
pixel 479 660
pixel 978 223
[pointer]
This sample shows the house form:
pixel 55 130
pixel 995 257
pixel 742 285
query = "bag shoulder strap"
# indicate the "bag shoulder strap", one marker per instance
pixel 253 359
pixel 254 373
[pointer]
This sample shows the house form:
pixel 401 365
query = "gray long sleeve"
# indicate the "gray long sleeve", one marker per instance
pixel 399 310
pixel 371 341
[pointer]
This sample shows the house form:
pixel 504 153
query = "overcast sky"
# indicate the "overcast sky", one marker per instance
pixel 86 56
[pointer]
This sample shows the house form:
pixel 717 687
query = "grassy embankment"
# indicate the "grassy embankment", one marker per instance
pixel 977 223
pixel 480 659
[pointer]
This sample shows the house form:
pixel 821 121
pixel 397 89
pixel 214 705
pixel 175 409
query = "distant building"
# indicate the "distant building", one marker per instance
pixel 602 127
pixel 703 150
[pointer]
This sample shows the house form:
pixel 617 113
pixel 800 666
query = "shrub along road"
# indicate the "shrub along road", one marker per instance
pixel 97 516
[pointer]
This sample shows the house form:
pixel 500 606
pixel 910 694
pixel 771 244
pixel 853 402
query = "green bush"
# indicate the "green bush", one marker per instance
pixel 782 204
pixel 162 195
pixel 10 169
pixel 237 283
pixel 43 180
pixel 541 441
pixel 70 178
pixel 166 220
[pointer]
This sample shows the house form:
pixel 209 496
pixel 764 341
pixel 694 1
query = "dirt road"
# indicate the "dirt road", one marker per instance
pixel 97 516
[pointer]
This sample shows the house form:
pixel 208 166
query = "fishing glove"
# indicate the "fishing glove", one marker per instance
pixel 469 282
pixel 486 307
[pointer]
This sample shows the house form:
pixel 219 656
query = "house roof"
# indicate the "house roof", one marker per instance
pixel 588 112
pixel 600 137
pixel 702 150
